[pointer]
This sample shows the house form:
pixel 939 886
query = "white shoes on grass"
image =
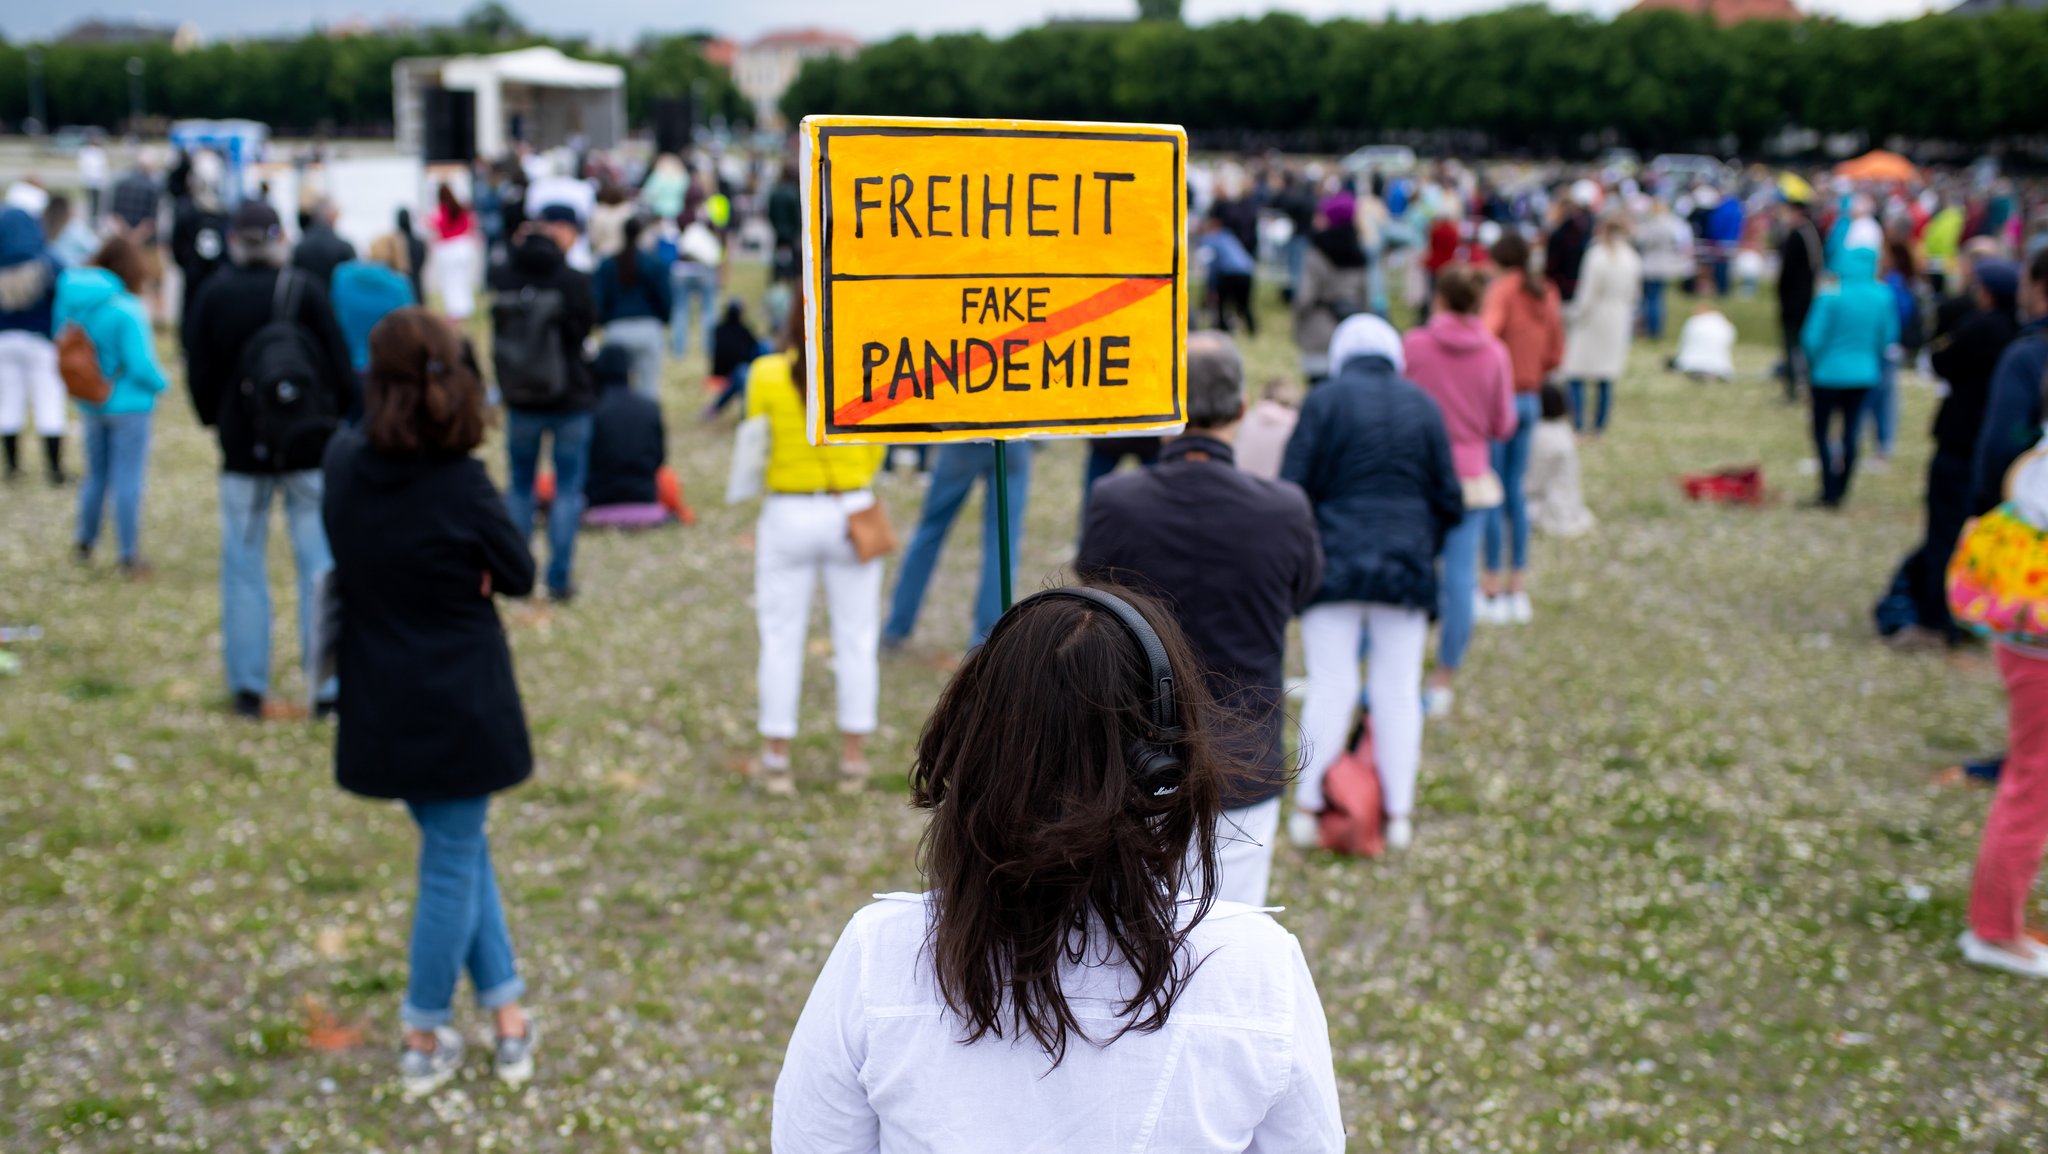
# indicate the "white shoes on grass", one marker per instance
pixel 1503 609
pixel 1978 952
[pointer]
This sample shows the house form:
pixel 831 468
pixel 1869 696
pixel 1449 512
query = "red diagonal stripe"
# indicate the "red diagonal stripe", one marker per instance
pixel 1118 296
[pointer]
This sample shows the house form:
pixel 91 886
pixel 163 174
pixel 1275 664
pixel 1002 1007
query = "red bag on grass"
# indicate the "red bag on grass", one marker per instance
pixel 1740 485
pixel 1352 822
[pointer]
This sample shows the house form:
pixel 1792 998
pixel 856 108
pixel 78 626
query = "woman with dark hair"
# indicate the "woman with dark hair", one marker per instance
pixel 104 300
pixel 1523 309
pixel 456 257
pixel 632 293
pixel 804 535
pixel 431 716
pixel 1057 988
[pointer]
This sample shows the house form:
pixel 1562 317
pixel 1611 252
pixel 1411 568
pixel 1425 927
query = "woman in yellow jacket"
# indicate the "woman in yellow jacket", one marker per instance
pixel 802 533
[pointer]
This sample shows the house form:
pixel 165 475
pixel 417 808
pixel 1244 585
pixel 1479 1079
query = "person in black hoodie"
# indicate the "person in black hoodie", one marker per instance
pixel 228 318
pixel 628 444
pixel 432 715
pixel 199 227
pixel 538 262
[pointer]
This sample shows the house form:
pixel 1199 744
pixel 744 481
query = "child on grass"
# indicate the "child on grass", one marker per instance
pixel 1556 505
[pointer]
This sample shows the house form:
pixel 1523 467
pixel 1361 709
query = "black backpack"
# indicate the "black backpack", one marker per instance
pixel 287 403
pixel 526 348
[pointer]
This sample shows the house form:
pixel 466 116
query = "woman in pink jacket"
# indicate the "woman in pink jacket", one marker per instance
pixel 1467 370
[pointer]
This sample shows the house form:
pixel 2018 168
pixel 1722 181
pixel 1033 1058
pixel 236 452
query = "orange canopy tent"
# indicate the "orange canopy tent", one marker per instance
pixel 1878 165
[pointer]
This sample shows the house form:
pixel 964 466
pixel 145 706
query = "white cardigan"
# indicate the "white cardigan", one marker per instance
pixel 1243 1064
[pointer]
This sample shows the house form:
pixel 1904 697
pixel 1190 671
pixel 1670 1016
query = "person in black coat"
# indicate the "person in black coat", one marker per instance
pixel 431 715
pixel 321 249
pixel 1966 351
pixel 539 261
pixel 1235 557
pixel 1802 258
pixel 628 445
pixel 1372 453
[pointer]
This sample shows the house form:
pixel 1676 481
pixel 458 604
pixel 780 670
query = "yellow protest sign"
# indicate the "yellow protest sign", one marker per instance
pixel 978 279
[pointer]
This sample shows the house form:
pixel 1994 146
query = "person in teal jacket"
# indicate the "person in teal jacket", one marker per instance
pixel 365 291
pixel 103 298
pixel 1846 339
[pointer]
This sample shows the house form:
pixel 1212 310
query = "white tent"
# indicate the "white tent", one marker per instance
pixel 537 95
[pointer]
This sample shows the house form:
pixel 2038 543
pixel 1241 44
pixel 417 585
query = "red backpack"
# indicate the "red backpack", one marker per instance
pixel 1351 821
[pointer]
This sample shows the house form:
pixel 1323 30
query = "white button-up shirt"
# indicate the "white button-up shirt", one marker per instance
pixel 876 1065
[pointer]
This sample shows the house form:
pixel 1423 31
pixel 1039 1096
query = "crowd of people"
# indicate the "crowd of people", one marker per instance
pixel 1084 843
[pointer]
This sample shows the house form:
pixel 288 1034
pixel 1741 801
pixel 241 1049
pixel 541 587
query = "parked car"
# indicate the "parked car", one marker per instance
pixel 1690 168
pixel 1390 159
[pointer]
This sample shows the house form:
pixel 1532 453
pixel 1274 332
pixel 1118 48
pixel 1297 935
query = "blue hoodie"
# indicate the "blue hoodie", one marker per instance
pixel 364 293
pixel 118 323
pixel 1851 326
pixel 28 276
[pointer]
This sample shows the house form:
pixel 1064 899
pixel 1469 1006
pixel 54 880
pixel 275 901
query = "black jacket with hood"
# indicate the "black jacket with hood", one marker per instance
pixel 429 708
pixel 538 263
pixel 628 444
pixel 236 302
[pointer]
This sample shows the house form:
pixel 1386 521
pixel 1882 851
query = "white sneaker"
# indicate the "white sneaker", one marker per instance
pixel 1486 610
pixel 1399 833
pixel 1437 700
pixel 1979 952
pixel 1303 830
pixel 1518 609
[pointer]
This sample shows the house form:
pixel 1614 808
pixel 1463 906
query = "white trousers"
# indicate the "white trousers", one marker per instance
pixel 455 272
pixel 1244 851
pixel 28 373
pixel 1331 635
pixel 797 538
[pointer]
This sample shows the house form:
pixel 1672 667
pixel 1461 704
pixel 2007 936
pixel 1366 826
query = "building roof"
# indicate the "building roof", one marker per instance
pixel 1727 12
pixel 806 38
pixel 719 52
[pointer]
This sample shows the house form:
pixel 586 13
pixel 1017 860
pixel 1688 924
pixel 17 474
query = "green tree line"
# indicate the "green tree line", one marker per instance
pixel 1524 77
pixel 315 81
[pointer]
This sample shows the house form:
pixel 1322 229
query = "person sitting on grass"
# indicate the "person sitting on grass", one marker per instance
pixel 630 484
pixel 432 716
pixel 734 348
pixel 1706 345
pixel 1557 507
pixel 1056 988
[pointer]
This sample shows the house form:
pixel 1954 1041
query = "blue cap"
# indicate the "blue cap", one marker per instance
pixel 560 214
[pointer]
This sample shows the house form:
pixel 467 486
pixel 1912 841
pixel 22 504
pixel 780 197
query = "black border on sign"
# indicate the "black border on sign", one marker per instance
pixel 827 279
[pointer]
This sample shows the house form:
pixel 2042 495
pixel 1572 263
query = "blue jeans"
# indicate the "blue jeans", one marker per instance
pixel 689 280
pixel 1577 389
pixel 735 387
pixel 458 923
pixel 1653 308
pixel 1882 406
pixel 1459 586
pixel 953 476
pixel 116 457
pixel 1511 461
pixel 571 435
pixel 245 500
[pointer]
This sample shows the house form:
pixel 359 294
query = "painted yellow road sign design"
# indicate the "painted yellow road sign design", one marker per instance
pixel 973 279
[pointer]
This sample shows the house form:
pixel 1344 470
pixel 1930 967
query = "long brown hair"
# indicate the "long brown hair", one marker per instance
pixel 793 338
pixel 1511 252
pixel 423 394
pixel 126 260
pixel 1042 849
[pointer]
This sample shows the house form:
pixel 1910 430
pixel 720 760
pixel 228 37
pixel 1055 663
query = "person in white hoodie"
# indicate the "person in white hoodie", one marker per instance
pixel 1706 345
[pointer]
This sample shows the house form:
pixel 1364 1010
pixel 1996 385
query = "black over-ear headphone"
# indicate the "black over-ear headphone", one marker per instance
pixel 1155 763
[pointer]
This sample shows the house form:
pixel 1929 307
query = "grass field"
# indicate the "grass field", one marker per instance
pixel 1679 881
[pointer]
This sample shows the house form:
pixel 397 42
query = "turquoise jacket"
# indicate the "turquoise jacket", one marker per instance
pixel 1851 326
pixel 118 323
pixel 364 292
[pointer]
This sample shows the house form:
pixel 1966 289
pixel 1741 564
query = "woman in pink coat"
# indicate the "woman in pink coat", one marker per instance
pixel 1467 370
